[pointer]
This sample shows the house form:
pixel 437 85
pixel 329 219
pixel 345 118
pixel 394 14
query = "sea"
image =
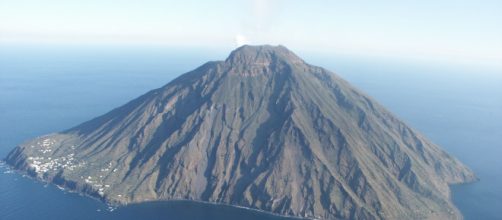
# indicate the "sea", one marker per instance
pixel 48 88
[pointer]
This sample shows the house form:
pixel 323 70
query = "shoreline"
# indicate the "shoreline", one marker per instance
pixel 112 206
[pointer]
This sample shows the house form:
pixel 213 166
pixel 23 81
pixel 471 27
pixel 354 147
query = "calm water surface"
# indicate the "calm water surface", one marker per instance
pixel 44 89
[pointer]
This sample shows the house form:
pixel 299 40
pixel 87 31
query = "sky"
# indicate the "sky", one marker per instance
pixel 451 29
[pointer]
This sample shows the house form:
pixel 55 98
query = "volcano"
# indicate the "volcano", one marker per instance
pixel 263 130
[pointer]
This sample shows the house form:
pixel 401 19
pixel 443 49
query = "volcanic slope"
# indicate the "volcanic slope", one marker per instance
pixel 262 129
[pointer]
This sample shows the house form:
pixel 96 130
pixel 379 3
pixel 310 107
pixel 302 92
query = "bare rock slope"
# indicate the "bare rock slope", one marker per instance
pixel 262 129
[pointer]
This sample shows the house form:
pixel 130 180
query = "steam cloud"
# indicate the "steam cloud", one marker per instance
pixel 240 40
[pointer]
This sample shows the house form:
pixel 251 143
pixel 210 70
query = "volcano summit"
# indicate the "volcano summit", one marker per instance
pixel 263 130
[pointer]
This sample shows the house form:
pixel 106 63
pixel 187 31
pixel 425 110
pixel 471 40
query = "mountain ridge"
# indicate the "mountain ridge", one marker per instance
pixel 262 129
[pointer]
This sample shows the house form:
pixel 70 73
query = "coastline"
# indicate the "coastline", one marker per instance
pixel 112 206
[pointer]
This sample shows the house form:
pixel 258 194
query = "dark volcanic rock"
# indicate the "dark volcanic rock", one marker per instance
pixel 262 129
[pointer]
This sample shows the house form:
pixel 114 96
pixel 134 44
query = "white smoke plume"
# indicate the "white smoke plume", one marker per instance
pixel 240 40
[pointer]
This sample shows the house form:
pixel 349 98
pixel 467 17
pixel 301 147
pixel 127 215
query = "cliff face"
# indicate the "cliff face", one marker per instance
pixel 262 129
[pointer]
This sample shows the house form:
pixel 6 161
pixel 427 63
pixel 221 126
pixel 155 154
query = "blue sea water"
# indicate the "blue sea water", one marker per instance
pixel 47 89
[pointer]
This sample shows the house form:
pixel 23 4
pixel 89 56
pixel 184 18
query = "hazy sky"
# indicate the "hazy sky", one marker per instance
pixel 463 29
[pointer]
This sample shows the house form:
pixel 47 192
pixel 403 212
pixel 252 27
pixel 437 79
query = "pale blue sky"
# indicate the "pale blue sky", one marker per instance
pixel 453 29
